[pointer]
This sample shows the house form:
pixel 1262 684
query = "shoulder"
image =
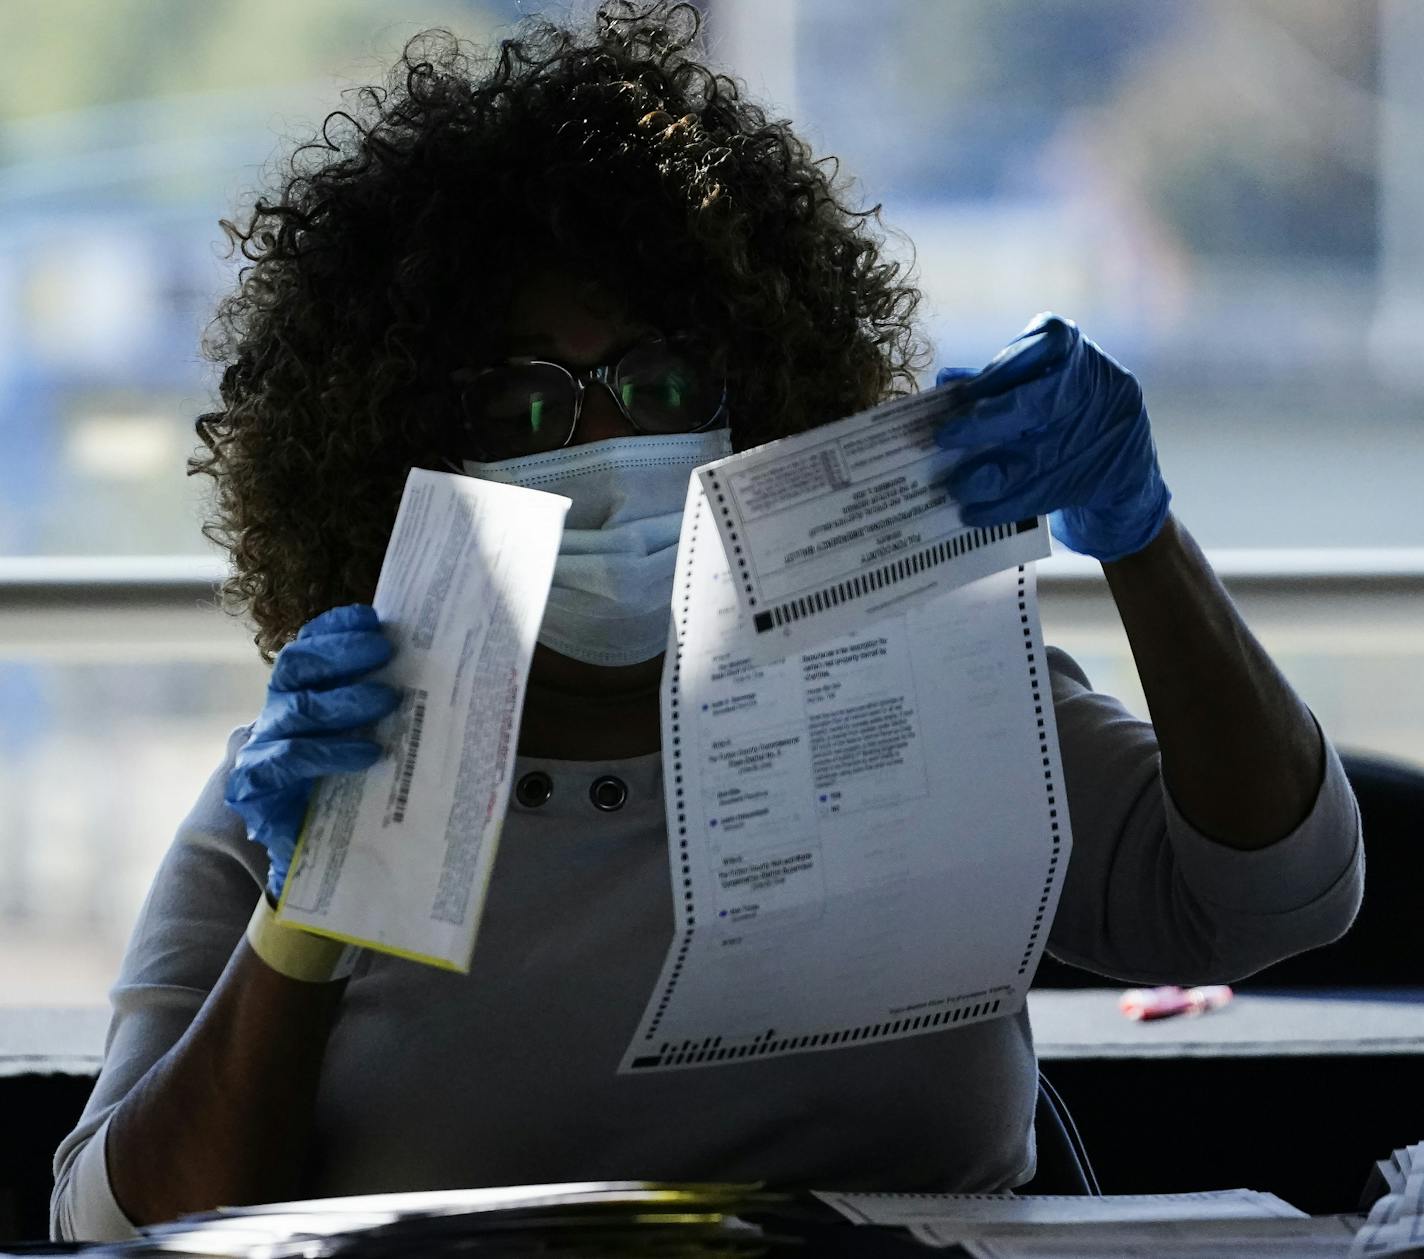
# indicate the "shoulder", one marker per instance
pixel 210 815
pixel 211 869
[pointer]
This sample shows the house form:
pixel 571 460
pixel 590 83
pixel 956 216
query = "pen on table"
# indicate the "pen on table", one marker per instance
pixel 1161 1003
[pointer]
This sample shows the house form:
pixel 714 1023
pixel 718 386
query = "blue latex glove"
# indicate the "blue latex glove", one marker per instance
pixel 1053 426
pixel 313 700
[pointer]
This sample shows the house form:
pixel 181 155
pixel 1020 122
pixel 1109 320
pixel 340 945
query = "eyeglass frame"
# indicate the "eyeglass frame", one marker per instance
pixel 580 379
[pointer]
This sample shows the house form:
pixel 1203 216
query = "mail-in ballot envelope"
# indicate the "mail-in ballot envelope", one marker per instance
pixel 830 529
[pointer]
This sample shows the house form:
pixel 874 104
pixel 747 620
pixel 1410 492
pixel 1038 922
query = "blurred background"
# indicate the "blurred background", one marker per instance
pixel 1227 194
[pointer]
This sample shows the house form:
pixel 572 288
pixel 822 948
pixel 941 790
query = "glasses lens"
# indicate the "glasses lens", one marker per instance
pixel 519 410
pixel 667 388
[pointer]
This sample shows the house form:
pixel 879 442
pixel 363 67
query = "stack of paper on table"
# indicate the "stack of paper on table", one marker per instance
pixel 1395 1224
pixel 622 1220
pixel 643 1220
pixel 1228 1222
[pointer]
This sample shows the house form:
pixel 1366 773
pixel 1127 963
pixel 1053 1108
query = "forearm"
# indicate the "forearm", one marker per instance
pixel 225 1116
pixel 1241 754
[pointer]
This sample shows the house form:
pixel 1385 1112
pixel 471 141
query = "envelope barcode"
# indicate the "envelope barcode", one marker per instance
pixel 875 580
pixel 412 750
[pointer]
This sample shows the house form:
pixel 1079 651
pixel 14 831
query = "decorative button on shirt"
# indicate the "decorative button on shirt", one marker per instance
pixel 534 789
pixel 608 793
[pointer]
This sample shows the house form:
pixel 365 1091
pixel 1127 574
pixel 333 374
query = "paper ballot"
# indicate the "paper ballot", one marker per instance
pixel 868 839
pixel 398 858
pixel 833 529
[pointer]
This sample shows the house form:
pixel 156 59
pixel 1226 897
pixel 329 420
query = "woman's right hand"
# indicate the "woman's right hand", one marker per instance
pixel 313 701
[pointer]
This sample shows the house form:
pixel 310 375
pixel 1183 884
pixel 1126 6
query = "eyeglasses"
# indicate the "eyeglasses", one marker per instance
pixel 528 405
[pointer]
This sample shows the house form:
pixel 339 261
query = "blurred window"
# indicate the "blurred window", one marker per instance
pixel 1225 194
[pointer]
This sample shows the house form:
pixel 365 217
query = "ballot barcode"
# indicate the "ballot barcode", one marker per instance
pixel 412 750
pixel 764 1044
pixel 887 575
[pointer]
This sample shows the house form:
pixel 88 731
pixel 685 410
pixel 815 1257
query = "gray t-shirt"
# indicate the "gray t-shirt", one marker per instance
pixel 508 1075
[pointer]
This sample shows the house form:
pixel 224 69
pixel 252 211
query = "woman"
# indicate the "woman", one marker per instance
pixel 687 275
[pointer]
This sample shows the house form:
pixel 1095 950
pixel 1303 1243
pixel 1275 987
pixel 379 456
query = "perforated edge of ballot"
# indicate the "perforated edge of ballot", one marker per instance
pixel 655 1046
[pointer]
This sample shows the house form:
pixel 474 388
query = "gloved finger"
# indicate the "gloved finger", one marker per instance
pixel 349 616
pixel 952 375
pixel 996 393
pixel 267 767
pixel 997 421
pixel 275 820
pixel 1074 478
pixel 1036 477
pixel 947 381
pixel 346 707
pixel 1039 350
pixel 1018 392
pixel 988 475
pixel 324 660
pixel 1025 502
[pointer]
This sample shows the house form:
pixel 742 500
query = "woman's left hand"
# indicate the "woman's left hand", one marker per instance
pixel 1053 426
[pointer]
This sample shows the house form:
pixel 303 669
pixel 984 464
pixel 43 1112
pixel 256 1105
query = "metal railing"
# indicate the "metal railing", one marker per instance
pixel 154 606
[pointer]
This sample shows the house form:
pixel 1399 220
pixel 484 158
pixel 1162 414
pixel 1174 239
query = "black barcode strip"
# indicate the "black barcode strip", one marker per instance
pixel 412 750
pixel 877 579
pixel 711 1048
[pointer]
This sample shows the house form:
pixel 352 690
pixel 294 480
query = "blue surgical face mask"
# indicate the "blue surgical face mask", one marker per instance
pixel 610 603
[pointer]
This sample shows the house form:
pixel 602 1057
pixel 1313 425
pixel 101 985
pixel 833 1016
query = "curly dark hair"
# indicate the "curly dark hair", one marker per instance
pixel 391 251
